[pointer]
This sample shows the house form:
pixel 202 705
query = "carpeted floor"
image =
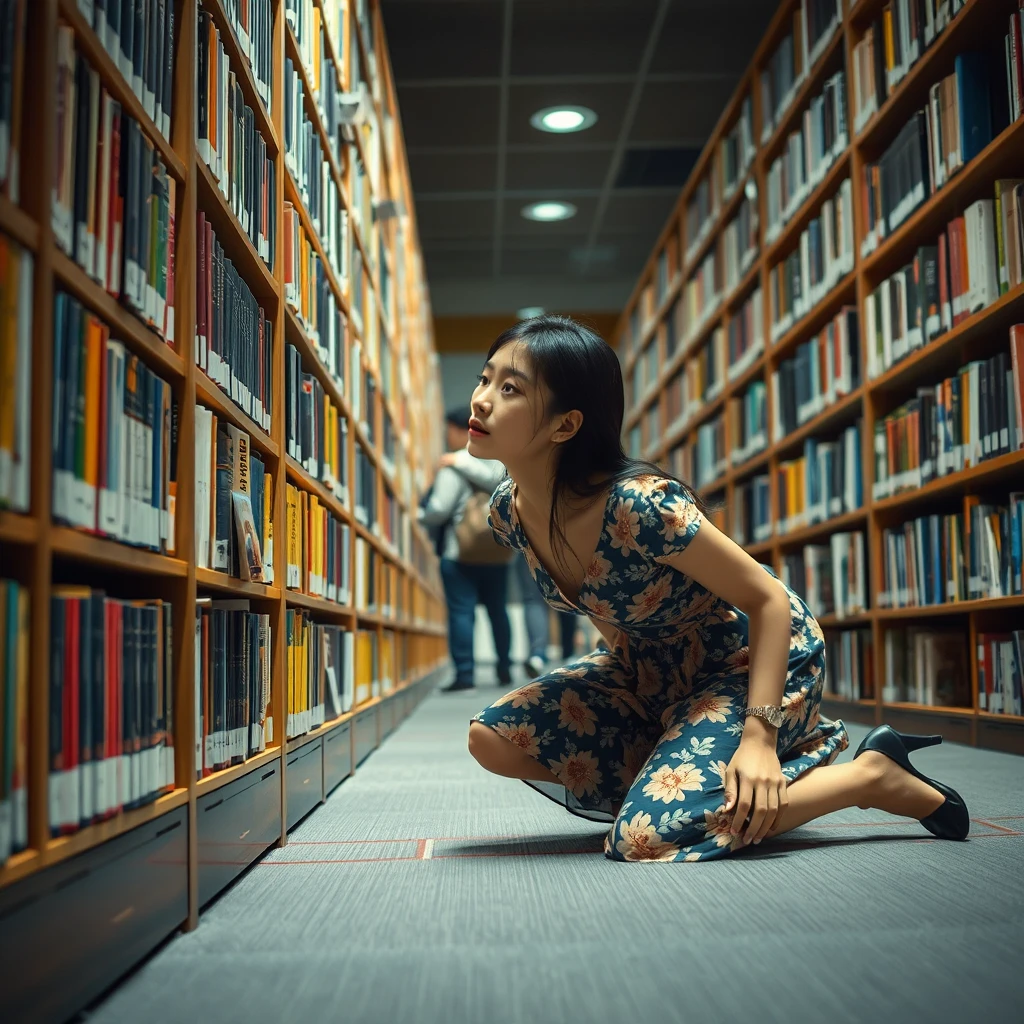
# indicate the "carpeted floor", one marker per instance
pixel 429 891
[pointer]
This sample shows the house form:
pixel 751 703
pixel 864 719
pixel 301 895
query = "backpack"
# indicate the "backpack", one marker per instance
pixel 477 545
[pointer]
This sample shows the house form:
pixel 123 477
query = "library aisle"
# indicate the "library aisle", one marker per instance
pixel 428 890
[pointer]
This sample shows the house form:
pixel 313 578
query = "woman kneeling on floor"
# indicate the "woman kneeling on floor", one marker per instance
pixel 698 730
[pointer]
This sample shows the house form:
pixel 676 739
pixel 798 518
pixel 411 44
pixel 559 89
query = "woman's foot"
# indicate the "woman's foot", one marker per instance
pixel 888 787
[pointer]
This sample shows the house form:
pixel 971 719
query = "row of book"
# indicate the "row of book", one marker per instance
pixel 309 294
pixel 823 370
pixel 12 68
pixel 139 37
pixel 364 489
pixel 823 256
pixel 701 210
pixel 711 452
pixel 234 335
pixel 892 44
pixel 977 259
pixel 313 175
pixel 700 381
pixel 319 548
pixel 113 199
pixel 229 141
pixel 752 510
pixel 808 154
pixel 16 282
pixel 115 435
pixel 970 555
pixel 740 243
pixel 14 647
pixel 234 713
pixel 252 22
pixel 746 334
pixel 702 295
pixel 321 671
pixel 931 148
pixel 823 482
pixel 747 423
pixel 967 418
pixel 830 578
pixel 234 531
pixel 111 705
pixel 310 24
pixel 850 664
pixel 923 665
pixel 646 370
pixel 1001 672
pixel 736 150
pixel 815 23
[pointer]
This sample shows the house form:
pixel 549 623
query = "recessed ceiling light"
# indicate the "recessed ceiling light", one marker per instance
pixel 529 312
pixel 563 119
pixel 549 210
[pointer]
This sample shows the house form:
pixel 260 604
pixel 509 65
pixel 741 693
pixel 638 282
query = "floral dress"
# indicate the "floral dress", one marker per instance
pixel 641 735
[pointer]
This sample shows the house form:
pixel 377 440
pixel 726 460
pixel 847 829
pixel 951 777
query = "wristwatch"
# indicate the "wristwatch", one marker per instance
pixel 774 716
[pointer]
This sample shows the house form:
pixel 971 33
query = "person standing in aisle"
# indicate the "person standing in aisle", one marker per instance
pixel 699 729
pixel 473 568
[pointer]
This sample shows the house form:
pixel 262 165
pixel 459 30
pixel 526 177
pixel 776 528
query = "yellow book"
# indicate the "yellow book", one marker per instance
pixel 312 547
pixel 96 347
pixel 304 542
pixel 268 527
pixel 293 575
pixel 290 648
pixel 890 49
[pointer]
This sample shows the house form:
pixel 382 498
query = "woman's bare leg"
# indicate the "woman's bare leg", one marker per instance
pixel 502 757
pixel 870 781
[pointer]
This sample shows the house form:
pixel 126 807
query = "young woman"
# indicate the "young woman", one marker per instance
pixel 696 731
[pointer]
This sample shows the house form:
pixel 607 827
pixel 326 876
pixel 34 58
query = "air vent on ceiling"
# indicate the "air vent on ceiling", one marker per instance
pixel 656 168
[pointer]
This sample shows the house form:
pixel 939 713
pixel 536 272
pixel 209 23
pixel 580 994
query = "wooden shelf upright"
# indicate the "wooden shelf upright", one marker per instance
pixel 653 315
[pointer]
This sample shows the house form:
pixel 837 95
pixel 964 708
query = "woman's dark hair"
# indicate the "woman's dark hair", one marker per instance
pixel 458 416
pixel 582 372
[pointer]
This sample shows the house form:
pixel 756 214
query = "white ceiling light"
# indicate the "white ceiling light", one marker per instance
pixel 563 119
pixel 549 210
pixel 529 312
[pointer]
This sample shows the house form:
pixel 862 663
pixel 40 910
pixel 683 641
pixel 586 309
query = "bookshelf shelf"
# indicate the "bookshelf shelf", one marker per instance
pixel 321 605
pixel 239 65
pixel 214 399
pixel 934 709
pixel 911 90
pixel 978 340
pixel 16 528
pixel 998 159
pixel 211 579
pixel 1007 468
pixel 62 848
pixel 826 188
pixel 236 243
pixel 299 476
pixel 90 46
pixel 124 325
pixel 995 716
pixel 77 545
pixel 811 84
pixel 18 224
pixel 226 775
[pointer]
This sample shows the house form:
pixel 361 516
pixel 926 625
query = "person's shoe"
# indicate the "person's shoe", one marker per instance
pixel 951 820
pixel 459 684
pixel 504 677
pixel 534 665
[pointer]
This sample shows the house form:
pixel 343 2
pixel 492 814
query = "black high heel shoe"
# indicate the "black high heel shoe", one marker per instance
pixel 951 820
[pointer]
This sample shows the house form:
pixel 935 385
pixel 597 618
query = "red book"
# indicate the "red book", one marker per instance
pixel 1017 366
pixel 115 208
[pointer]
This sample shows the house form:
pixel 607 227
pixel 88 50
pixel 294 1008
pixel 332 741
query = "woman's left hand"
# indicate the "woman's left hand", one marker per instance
pixel 755 788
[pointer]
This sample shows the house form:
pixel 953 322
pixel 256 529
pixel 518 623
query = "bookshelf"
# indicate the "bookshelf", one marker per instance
pixel 692 389
pixel 197 815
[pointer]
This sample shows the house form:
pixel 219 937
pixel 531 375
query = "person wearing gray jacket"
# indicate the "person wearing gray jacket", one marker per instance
pixel 466 585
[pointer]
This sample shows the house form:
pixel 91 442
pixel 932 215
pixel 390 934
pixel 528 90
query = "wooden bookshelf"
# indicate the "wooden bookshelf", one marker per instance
pixel 645 315
pixel 39 553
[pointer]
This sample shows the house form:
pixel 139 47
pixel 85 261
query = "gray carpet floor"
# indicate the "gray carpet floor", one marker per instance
pixel 426 890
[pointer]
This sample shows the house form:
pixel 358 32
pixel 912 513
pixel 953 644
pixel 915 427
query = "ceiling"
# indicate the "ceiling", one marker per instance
pixel 470 73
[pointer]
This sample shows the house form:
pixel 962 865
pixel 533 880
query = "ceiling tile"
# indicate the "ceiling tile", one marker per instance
pixel 711 36
pixel 681 111
pixel 547 171
pixel 607 100
pixel 469 263
pixel 535 261
pixel 443 38
pixel 462 219
pixel 639 215
pixel 449 116
pixel 465 172
pixel 566 37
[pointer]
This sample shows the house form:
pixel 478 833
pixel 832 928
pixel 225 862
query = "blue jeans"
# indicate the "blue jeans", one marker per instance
pixel 464 587
pixel 535 610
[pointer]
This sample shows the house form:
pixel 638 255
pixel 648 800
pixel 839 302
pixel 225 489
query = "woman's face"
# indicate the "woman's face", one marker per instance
pixel 508 409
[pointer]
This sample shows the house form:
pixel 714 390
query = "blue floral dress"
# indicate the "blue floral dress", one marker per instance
pixel 641 735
